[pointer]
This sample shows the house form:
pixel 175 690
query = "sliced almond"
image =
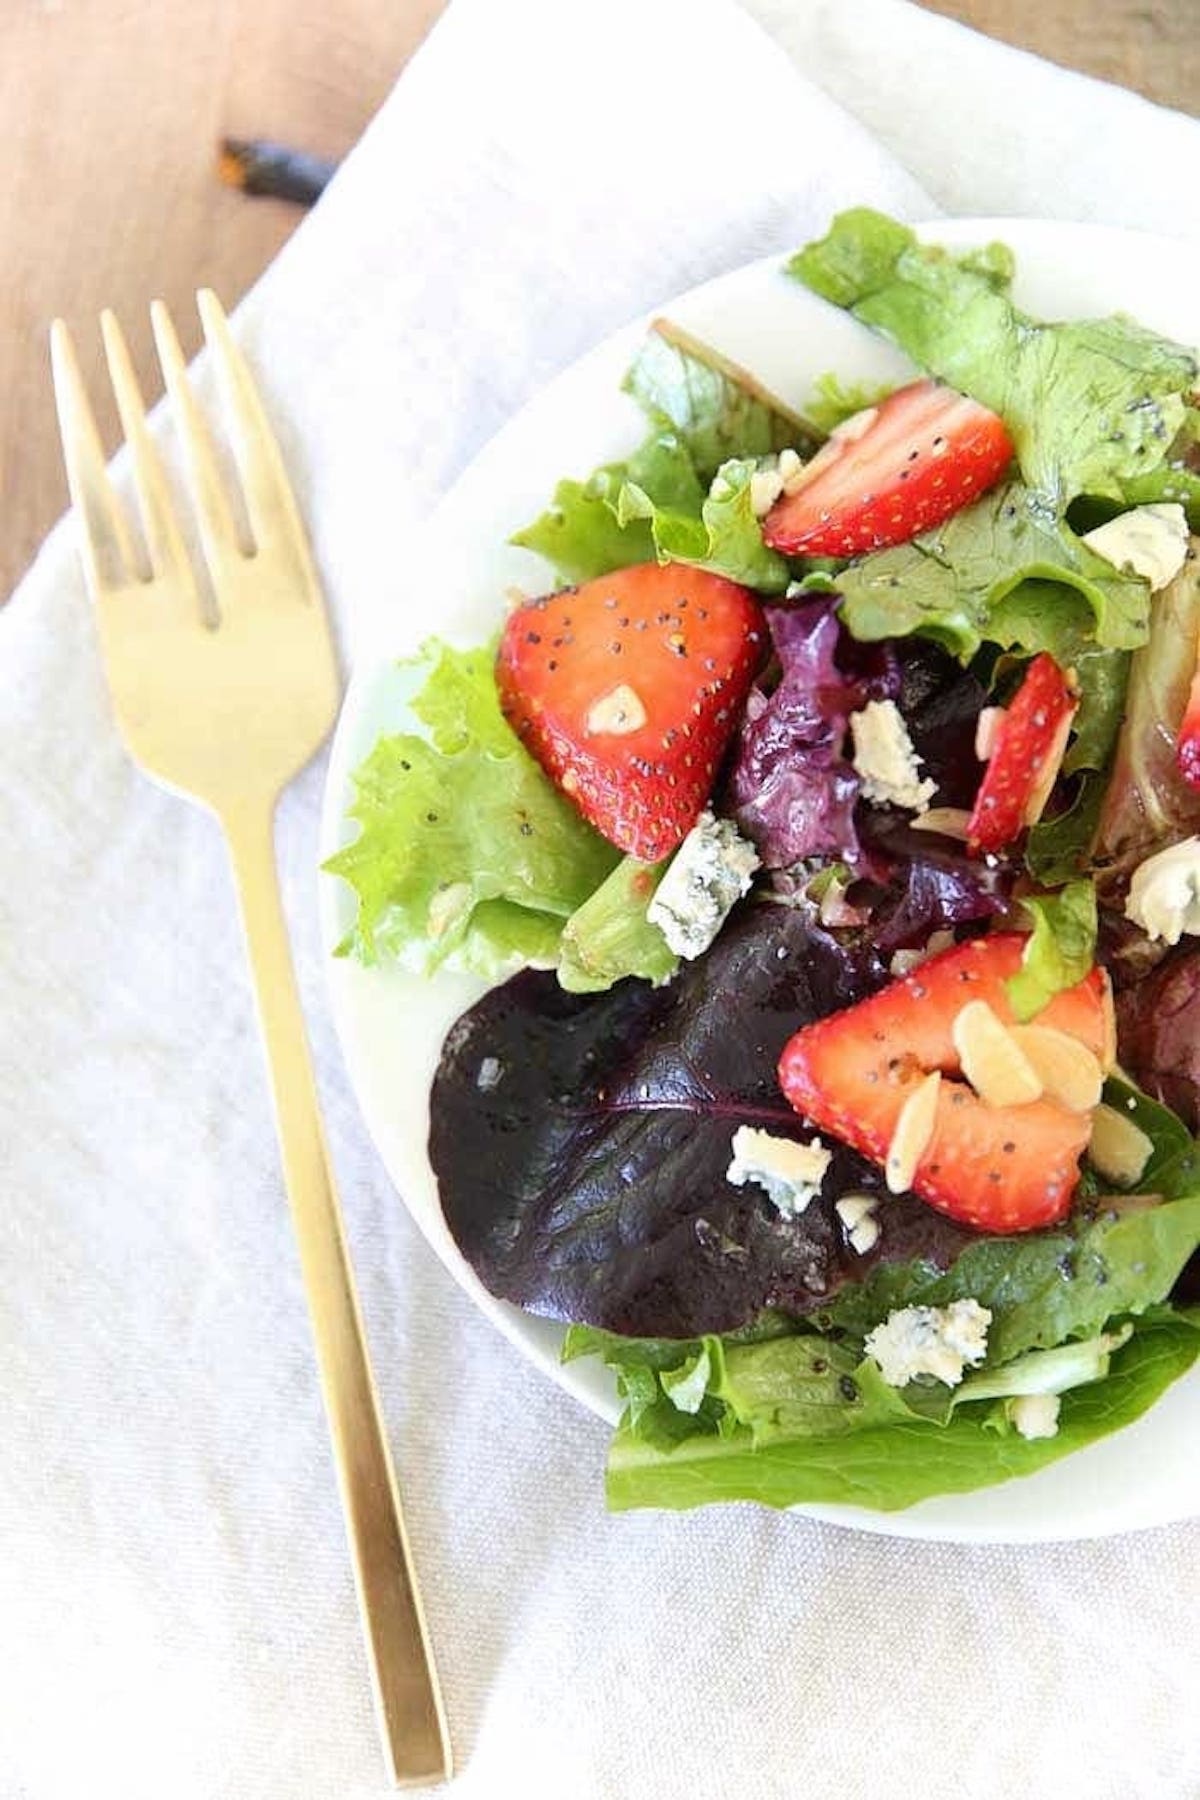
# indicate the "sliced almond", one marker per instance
pixel 992 1060
pixel 857 1213
pixel 1119 1149
pixel 1108 1012
pixel 1067 1070
pixel 852 1209
pixel 766 485
pixel 855 427
pixel 987 732
pixel 864 1236
pixel 616 713
pixel 1051 763
pixel 950 821
pixel 914 1128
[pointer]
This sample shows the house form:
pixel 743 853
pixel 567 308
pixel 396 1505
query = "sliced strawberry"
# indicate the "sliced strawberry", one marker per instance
pixel 1187 751
pixel 999 1168
pixel 1027 753
pixel 896 469
pixel 627 689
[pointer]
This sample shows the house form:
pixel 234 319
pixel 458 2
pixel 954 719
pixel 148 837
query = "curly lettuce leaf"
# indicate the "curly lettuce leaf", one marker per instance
pixel 1093 405
pixel 784 1414
pixel 1054 1371
pixel 833 400
pixel 1179 477
pixel 1044 615
pixel 1059 952
pixel 1048 1287
pixel 716 409
pixel 1058 849
pixel 584 532
pixel 970 581
pixel 684 493
pixel 856 257
pixel 1103 679
pixel 1172 482
pixel 663 1382
pixel 611 937
pixel 788 1417
pixel 465 851
pixel 807 1386
pixel 892 1463
pixel 726 538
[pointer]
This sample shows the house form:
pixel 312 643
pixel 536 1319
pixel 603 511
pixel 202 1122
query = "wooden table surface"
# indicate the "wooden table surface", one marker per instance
pixel 112 114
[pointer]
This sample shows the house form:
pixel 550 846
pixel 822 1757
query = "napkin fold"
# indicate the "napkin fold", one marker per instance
pixel 175 1593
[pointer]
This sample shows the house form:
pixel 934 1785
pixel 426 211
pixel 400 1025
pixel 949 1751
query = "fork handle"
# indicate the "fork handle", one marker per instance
pixel 406 1687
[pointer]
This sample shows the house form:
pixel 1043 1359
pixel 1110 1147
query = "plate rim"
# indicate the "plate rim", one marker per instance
pixel 515 1325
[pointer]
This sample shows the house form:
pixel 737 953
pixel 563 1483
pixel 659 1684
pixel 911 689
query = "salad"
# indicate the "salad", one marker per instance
pixel 828 831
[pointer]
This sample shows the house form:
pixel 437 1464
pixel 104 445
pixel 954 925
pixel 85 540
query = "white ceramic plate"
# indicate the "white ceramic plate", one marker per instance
pixel 392 1025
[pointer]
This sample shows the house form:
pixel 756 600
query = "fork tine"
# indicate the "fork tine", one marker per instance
pixel 106 547
pixel 163 540
pixel 270 502
pixel 218 534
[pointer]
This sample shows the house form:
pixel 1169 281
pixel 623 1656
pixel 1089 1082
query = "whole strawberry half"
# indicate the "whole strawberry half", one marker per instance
pixel 627 689
pixel 998 1168
pixel 891 471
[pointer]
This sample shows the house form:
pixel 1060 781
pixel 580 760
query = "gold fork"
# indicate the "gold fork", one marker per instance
pixel 224 706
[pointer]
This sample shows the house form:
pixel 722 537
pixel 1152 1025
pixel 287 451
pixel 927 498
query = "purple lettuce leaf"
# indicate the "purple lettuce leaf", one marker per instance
pixel 790 788
pixel 791 785
pixel 581 1143
pixel 1158 1034
pixel 934 885
pixel 941 703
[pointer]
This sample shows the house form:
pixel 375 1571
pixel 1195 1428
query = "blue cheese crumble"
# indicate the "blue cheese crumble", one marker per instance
pixel 1164 894
pixel 790 1172
pixel 1150 540
pixel 712 868
pixel 930 1340
pixel 885 760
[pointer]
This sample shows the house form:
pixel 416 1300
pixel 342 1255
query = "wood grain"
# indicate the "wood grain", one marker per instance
pixel 1152 46
pixel 113 108
pixel 112 117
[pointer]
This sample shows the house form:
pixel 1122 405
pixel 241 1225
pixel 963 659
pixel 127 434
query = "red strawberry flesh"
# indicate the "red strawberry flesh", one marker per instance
pixel 997 1168
pixel 1030 742
pixel 890 472
pixel 627 690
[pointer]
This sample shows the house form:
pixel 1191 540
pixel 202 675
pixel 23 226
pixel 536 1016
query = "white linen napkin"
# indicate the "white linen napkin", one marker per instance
pixel 176 1610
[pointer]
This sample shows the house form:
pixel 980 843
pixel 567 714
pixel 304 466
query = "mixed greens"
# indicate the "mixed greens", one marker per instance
pixel 583 1112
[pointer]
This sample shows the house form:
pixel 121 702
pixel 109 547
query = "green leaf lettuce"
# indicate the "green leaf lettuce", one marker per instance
pixel 465 853
pixel 1061 949
pixel 970 581
pixel 610 936
pixel 1093 405
pixel 684 494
